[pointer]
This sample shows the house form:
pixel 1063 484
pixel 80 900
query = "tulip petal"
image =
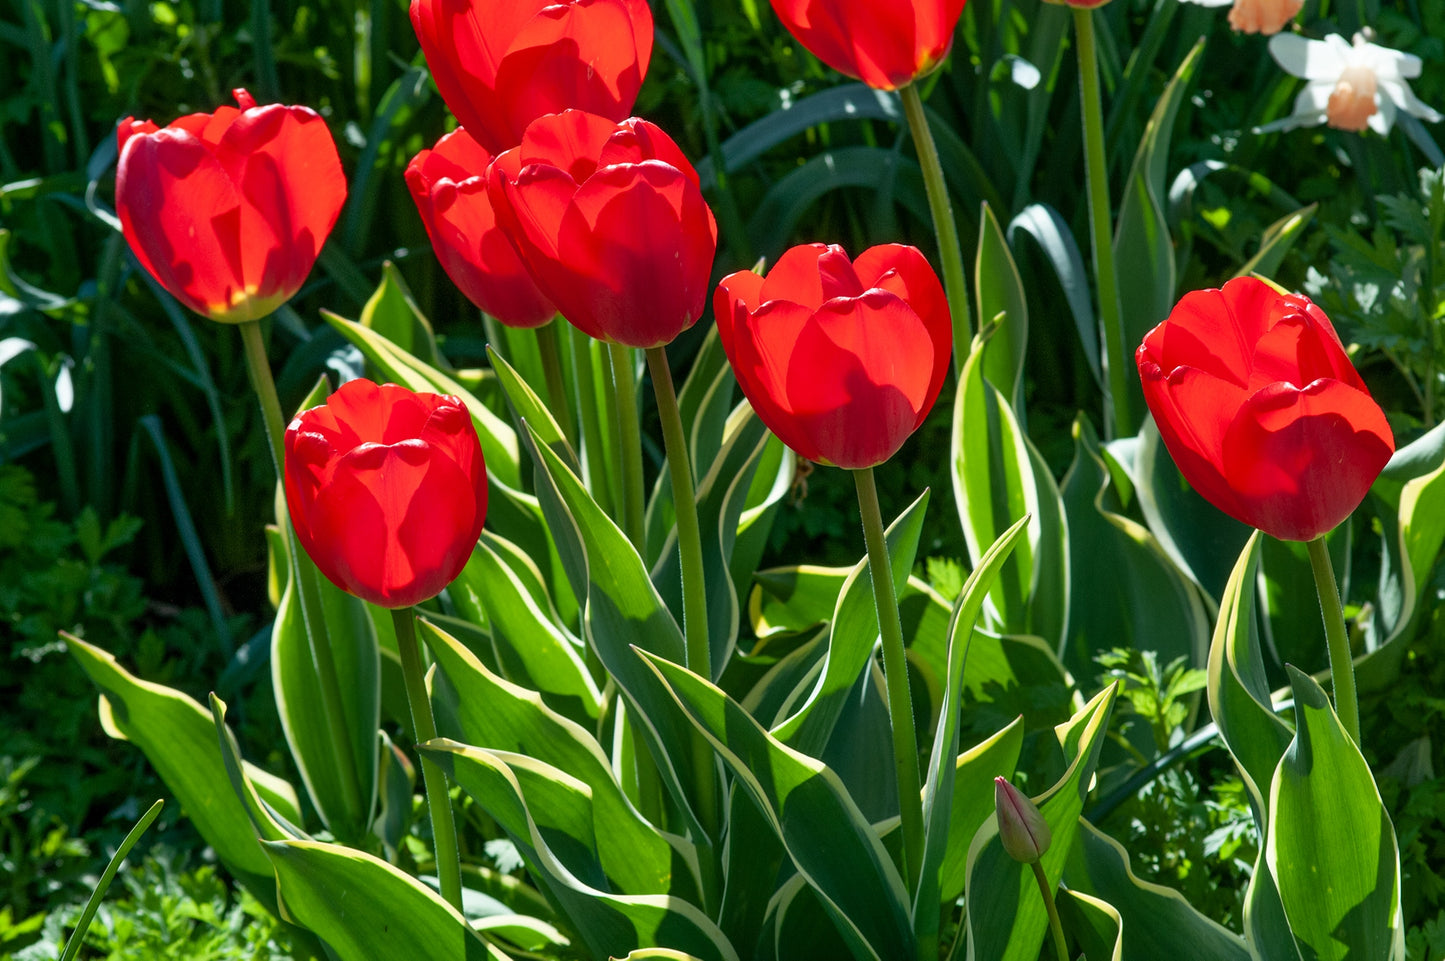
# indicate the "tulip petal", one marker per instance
pixel 1302 347
pixel 858 377
pixel 760 347
pixel 571 141
pixel 1303 459
pixel 904 271
pixel 797 277
pixel 1216 330
pixel 1193 410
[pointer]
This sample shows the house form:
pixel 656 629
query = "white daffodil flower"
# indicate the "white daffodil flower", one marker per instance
pixel 1257 16
pixel 1351 86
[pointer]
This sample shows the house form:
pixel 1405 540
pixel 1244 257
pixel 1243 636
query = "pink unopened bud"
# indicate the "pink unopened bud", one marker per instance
pixel 1021 828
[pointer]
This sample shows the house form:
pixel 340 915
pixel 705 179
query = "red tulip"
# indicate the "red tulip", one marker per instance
pixel 610 220
pixel 449 186
pixel 387 490
pixel 841 360
pixel 229 210
pixel 885 45
pixel 500 64
pixel 1261 409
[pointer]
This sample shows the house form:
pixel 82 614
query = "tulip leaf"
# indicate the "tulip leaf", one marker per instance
pixel 269 823
pixel 178 737
pixel 1291 630
pixel 499 442
pixel 720 497
pixel 1140 598
pixel 1005 915
pixel 1048 229
pixel 530 647
pixel 973 801
pixel 1143 249
pixel 998 478
pixel 942 765
pixel 753 857
pixel 1155 919
pixel 706 401
pixel 547 815
pixel 1331 846
pixel 1266 929
pixel 1276 242
pixel 1239 698
pixel 1001 291
pixel 1198 537
pixel 1095 924
pixel 367 910
pixel 853 638
pixel 357 660
pixel 622 615
pixel 527 406
pixel 498 715
pixel 827 837
pixel 1421 513
pixel 790 600
pixel 772 481
pixel 393 313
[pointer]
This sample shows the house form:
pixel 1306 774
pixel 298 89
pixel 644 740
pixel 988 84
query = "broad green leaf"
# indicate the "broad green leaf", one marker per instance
pixel 1266 930
pixel 790 600
pixel 296 683
pixel 1155 919
pixel 527 406
pixel 798 925
pixel 499 442
pixel 854 634
pixel 825 834
pixel 1276 242
pixel 622 616
pixel 1001 291
pixel 1291 629
pixel 1239 698
pixel 752 858
pixel 1006 918
pixel 546 813
pixel 367 910
pixel 772 481
pixel 1422 526
pixel 973 801
pixel 1143 249
pixel 1140 598
pixel 1094 924
pixel 178 737
pixel 1331 846
pixel 498 715
pixel 270 824
pixel 721 494
pixel 938 788
pixel 1048 229
pixel 393 314
pixel 526 638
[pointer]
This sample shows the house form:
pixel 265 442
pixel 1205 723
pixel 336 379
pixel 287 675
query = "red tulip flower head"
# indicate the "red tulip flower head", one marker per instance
pixel 387 490
pixel 228 210
pixel 609 218
pixel 1261 409
pixel 885 45
pixel 500 64
pixel 449 186
pixel 842 360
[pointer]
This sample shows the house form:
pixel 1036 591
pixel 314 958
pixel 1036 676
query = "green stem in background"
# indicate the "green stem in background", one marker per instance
pixel 1047 891
pixel 1096 172
pixel 895 673
pixel 950 251
pixel 689 534
pixel 624 386
pixel 549 344
pixel 599 478
pixel 689 548
pixel 438 802
pixel 1342 667
pixel 259 369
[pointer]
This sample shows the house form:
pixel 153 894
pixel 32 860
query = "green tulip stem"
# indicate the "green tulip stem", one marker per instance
pixel 1342 667
pixel 1096 173
pixel 599 478
pixel 895 673
pixel 624 384
pixel 549 344
pixel 1047 891
pixel 308 591
pixel 438 801
pixel 950 251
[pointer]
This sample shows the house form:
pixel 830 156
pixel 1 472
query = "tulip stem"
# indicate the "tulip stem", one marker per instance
pixel 950 251
pixel 438 801
pixel 549 345
pixel 895 673
pixel 1342 667
pixel 1047 891
pixel 308 590
pixel 594 461
pixel 1096 173
pixel 624 385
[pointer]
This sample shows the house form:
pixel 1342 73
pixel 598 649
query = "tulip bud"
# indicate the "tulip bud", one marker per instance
pixel 1021 828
